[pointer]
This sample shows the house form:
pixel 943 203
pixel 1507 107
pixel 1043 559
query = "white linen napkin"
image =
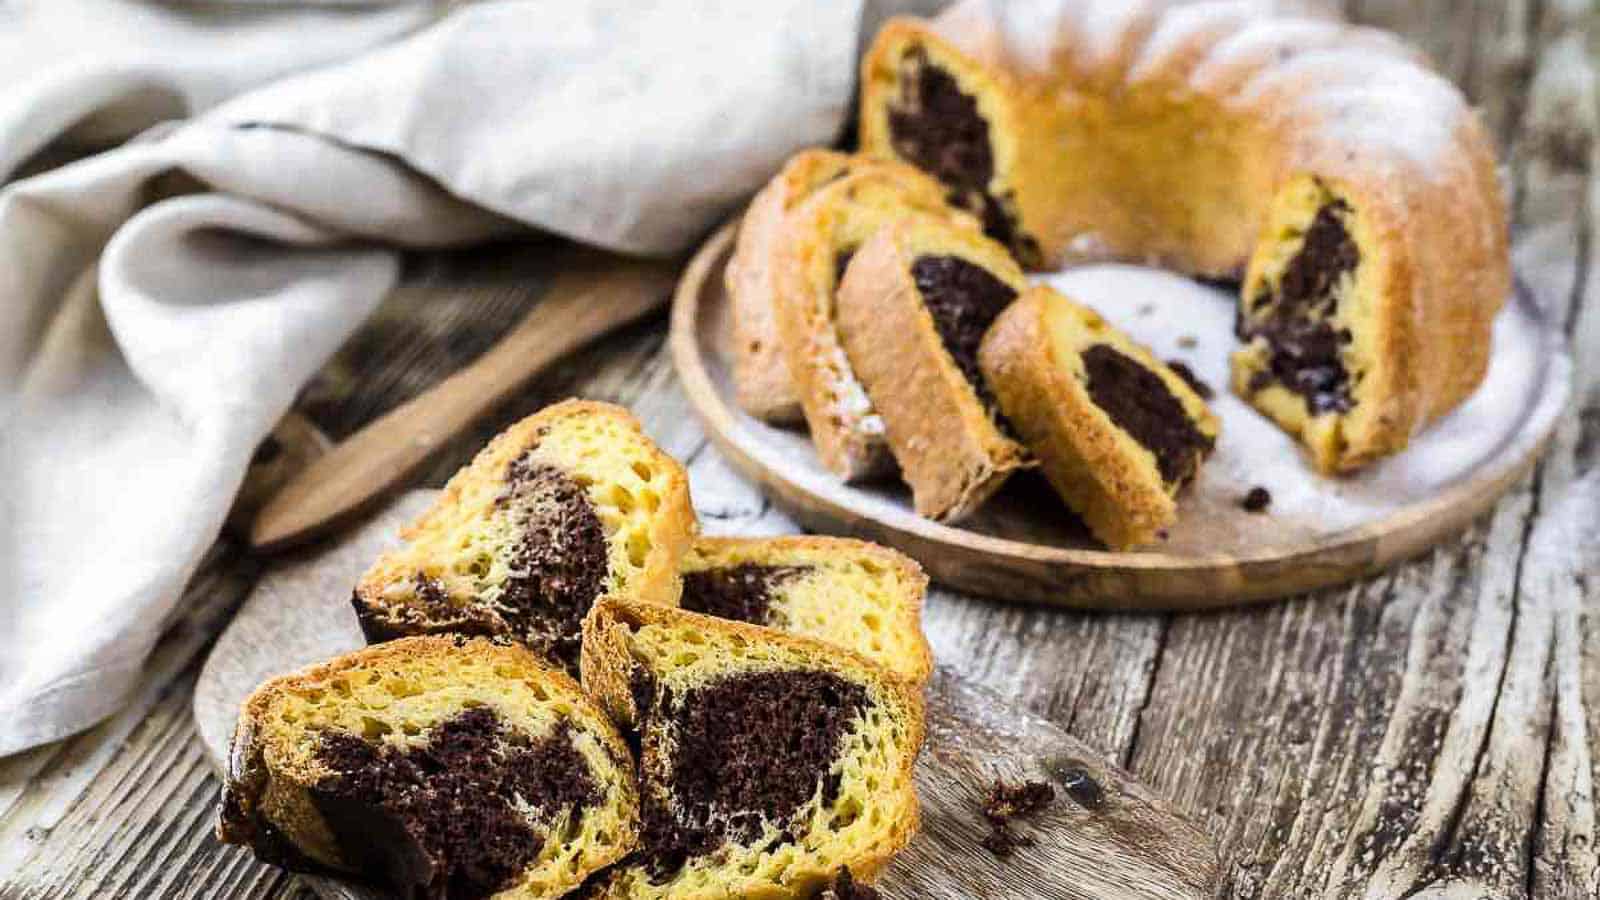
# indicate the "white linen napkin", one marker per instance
pixel 153 327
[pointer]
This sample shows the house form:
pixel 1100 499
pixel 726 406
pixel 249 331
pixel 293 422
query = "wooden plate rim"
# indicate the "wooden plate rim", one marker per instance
pixel 1159 580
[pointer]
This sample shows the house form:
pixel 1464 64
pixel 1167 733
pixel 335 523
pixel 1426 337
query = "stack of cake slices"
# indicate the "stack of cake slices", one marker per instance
pixel 568 691
pixel 906 331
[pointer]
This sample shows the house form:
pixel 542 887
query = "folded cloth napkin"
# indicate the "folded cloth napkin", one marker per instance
pixel 162 300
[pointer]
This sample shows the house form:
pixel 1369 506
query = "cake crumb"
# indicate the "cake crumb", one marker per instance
pixel 1006 802
pixel 1002 841
pixel 1257 500
pixel 1188 341
pixel 845 887
pixel 1183 371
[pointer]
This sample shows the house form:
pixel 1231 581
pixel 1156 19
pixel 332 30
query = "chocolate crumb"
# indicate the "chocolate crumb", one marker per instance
pixel 1008 801
pixel 560 564
pixel 1183 371
pixel 742 592
pixel 964 299
pixel 1002 841
pixel 1296 320
pixel 455 816
pixel 748 751
pixel 845 887
pixel 1257 500
pixel 1139 402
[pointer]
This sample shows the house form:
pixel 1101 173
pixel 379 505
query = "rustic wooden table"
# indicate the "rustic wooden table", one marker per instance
pixel 1430 732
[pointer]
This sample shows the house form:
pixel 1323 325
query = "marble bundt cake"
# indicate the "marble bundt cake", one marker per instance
pixel 571 504
pixel 1353 188
pixel 913 309
pixel 766 761
pixel 851 593
pixel 441 767
pixel 761 378
pixel 1116 432
pixel 812 256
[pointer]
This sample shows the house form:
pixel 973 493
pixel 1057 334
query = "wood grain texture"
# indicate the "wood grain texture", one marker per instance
pixel 1105 837
pixel 593 294
pixel 1303 735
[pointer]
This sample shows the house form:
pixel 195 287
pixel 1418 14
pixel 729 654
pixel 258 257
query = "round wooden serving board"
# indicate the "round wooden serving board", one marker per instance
pixel 1024 547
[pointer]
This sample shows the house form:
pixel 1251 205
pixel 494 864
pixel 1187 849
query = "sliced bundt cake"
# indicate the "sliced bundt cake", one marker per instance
pixel 571 504
pixel 860 596
pixel 818 241
pixel 766 761
pixel 912 311
pixel 440 767
pixel 1358 185
pixel 1116 432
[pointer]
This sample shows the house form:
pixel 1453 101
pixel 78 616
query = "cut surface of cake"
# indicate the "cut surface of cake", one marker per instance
pixel 440 767
pixel 569 505
pixel 766 761
pixel 914 307
pixel 1221 140
pixel 1117 433
pixel 818 242
pixel 857 595
pixel 1319 342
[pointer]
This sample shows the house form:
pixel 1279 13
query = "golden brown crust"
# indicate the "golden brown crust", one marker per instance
pixel 949 447
pixel 1097 469
pixel 641 491
pixel 609 664
pixel 836 220
pixel 1163 133
pixel 267 801
pixel 762 382
pixel 858 595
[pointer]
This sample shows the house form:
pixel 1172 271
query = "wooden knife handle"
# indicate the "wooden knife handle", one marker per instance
pixel 585 301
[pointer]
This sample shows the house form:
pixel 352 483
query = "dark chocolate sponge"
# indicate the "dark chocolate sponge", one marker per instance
pixel 765 760
pixel 519 546
pixel 437 767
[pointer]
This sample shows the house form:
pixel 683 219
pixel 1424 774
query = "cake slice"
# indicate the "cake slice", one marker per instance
pixel 1116 432
pixel 438 767
pixel 817 244
pixel 766 761
pixel 571 504
pixel 762 382
pixel 913 309
pixel 851 593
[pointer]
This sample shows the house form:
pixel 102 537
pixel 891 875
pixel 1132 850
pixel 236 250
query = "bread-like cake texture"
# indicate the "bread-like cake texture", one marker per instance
pixel 440 767
pixel 812 256
pixel 1325 354
pixel 762 382
pixel 766 760
pixel 1117 433
pixel 1213 138
pixel 568 505
pixel 857 595
pixel 913 308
